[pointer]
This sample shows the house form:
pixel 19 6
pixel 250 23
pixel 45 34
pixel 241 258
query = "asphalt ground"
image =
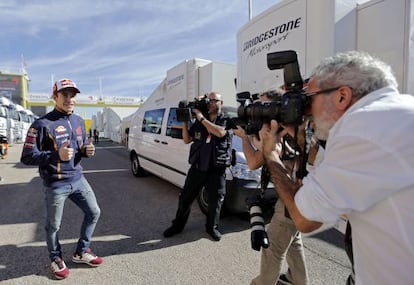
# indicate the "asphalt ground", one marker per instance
pixel 135 212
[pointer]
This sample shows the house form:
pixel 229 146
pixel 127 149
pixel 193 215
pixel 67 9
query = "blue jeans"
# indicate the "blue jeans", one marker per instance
pixel 81 193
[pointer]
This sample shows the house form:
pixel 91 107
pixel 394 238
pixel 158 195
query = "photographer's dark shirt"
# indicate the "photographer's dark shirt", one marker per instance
pixel 202 148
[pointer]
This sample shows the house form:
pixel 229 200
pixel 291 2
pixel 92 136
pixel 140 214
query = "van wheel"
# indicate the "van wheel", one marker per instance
pixel 136 168
pixel 202 200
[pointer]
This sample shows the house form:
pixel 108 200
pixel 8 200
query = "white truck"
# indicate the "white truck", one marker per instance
pixel 25 120
pixel 316 29
pixel 10 123
pixel 4 115
pixel 154 140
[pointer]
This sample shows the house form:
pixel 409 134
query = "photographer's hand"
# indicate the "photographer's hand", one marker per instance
pixel 272 146
pixel 257 142
pixel 240 132
pixel 253 155
pixel 212 128
pixel 284 185
pixel 269 141
pixel 198 114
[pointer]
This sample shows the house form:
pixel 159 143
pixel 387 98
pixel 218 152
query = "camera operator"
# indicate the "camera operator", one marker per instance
pixel 209 137
pixel 356 102
pixel 285 240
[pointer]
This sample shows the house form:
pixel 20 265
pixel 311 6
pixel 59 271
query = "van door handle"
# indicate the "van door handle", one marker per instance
pixel 157 141
pixel 164 142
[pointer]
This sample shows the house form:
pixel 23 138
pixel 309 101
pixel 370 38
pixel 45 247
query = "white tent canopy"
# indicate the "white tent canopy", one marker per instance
pixel 109 122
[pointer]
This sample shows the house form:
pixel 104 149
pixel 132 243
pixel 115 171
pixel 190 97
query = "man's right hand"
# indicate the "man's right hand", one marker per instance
pixel 197 114
pixel 65 152
pixel 240 132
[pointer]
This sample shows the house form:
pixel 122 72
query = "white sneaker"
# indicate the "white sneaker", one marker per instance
pixel 59 268
pixel 88 257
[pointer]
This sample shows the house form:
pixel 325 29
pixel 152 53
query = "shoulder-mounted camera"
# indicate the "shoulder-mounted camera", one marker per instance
pixel 184 111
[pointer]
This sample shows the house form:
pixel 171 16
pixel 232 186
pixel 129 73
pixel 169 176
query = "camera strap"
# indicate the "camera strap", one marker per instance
pixel 302 171
pixel 264 178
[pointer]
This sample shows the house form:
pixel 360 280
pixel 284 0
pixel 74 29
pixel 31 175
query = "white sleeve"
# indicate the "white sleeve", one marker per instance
pixel 354 175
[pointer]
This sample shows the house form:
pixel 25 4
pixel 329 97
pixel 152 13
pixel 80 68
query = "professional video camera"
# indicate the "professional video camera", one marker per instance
pixel 288 109
pixel 184 111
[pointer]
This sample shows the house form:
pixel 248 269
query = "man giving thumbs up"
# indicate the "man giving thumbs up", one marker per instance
pixel 89 148
pixel 56 143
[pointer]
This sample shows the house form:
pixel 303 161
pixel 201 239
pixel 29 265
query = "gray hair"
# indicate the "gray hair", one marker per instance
pixel 355 69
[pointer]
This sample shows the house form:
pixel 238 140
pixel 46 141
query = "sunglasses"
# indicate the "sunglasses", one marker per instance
pixel 328 90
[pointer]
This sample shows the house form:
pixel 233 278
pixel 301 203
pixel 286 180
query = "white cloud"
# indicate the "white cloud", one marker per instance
pixel 128 45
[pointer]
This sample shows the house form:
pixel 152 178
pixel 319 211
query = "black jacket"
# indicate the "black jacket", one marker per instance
pixel 208 151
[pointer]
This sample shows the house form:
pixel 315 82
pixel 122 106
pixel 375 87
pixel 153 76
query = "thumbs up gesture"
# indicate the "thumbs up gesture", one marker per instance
pixel 90 148
pixel 65 152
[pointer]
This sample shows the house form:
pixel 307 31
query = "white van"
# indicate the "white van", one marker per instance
pixel 154 141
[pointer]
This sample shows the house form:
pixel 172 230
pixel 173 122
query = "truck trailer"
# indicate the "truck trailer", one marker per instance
pixel 317 29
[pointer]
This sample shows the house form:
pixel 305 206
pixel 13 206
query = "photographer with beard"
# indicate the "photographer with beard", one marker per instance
pixel 285 242
pixel 368 126
pixel 210 141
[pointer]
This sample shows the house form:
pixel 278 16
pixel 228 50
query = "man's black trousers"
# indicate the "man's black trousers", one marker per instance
pixel 215 183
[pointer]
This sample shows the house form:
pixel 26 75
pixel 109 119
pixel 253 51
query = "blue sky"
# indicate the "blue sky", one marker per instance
pixel 119 47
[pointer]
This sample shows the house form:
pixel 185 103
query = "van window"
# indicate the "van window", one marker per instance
pixel 174 127
pixel 153 121
pixel 25 117
pixel 14 115
pixel 3 112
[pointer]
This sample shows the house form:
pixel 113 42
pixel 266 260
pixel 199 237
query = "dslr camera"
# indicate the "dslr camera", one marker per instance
pixel 288 108
pixel 184 111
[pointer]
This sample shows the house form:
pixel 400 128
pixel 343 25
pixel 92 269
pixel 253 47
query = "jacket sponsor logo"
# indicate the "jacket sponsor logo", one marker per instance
pixel 30 138
pixel 78 131
pixel 62 136
pixel 60 129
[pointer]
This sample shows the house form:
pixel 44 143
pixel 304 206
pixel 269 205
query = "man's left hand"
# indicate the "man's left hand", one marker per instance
pixel 90 148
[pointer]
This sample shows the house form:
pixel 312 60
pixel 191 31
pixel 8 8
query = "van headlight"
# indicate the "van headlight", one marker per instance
pixel 242 171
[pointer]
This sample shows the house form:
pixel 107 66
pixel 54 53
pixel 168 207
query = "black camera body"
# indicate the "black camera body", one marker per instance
pixel 184 111
pixel 288 108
